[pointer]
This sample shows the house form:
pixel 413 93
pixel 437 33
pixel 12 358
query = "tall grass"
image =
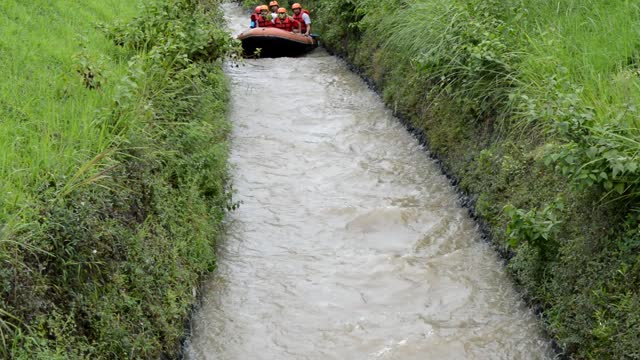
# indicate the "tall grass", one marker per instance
pixel 49 122
pixel 591 45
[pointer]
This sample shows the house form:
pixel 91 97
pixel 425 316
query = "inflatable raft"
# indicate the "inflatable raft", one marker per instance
pixel 274 42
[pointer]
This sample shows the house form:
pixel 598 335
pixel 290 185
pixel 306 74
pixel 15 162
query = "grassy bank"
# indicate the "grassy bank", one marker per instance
pixel 112 173
pixel 532 106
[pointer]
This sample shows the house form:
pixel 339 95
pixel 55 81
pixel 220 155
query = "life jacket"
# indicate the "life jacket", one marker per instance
pixel 286 24
pixel 264 22
pixel 298 18
pixel 254 20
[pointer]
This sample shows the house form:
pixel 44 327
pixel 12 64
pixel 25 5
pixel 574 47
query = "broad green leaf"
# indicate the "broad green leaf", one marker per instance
pixel 608 185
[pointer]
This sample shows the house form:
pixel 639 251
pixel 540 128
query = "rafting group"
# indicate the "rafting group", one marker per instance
pixel 274 33
pixel 276 16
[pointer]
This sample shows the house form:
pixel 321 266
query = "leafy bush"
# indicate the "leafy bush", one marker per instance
pixel 177 31
pixel 603 156
pixel 536 228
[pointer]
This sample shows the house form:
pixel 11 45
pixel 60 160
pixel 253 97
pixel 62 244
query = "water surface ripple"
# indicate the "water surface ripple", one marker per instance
pixel 349 243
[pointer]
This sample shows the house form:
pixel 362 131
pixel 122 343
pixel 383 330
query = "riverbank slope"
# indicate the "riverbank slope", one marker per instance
pixel 112 173
pixel 532 108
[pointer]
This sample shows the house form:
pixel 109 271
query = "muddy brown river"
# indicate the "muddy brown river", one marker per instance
pixel 349 242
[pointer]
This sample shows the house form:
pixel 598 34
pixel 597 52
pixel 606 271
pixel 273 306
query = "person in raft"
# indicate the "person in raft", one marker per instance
pixel 264 20
pixel 285 22
pixel 254 17
pixel 274 9
pixel 302 16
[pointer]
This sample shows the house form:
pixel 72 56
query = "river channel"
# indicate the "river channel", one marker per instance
pixel 349 242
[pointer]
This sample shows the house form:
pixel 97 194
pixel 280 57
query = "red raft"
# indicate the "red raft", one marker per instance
pixel 274 42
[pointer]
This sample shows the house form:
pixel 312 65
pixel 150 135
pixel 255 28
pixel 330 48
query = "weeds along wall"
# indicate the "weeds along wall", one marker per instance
pixel 113 174
pixel 532 106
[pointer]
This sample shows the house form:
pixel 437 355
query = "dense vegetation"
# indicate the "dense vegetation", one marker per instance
pixel 533 106
pixel 112 173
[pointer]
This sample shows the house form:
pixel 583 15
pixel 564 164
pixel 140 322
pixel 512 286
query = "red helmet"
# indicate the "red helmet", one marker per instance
pixel 296 6
pixel 273 3
pixel 259 9
pixel 282 11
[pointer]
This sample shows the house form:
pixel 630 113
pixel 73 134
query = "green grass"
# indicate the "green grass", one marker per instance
pixel 49 121
pixel 113 173
pixel 591 45
pixel 532 105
